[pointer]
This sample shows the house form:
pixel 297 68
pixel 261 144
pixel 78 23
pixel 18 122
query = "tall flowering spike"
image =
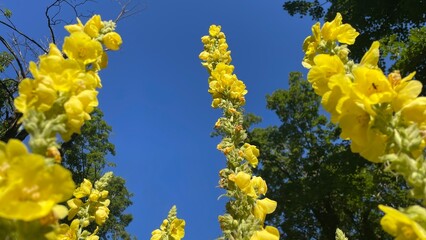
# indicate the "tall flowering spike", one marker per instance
pixel 64 92
pixel 384 117
pixel 247 208
pixel 89 206
pixel 172 228
pixel 56 101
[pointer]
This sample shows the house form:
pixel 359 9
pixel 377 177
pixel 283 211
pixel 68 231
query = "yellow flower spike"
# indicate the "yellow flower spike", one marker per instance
pixel 177 229
pixel 269 233
pixel 214 30
pixel 400 225
pixel 325 66
pixel 81 47
pixel 112 41
pixel 251 153
pixel 371 57
pixel 263 207
pixel 93 26
pixel 28 188
pixel 84 190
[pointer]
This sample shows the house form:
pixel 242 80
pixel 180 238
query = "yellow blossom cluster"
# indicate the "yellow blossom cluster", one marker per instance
pixel 355 94
pixel 248 207
pixel 323 40
pixel 65 83
pixel 383 116
pixel 223 83
pixel 90 204
pixel 172 228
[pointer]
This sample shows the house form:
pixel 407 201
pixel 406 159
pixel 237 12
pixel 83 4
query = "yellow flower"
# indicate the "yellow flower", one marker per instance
pixel 325 66
pixel 204 56
pixel 93 26
pixel 75 27
pixel 29 189
pixel 263 207
pixel 415 111
pixel 335 30
pixel 242 180
pixel 251 153
pixel 68 232
pixel 355 123
pixel 371 86
pixel 340 91
pixel 406 89
pixel 372 148
pixel 400 225
pixel 224 83
pixel 259 185
pixel 77 109
pixel 81 47
pixel 112 41
pixel 157 234
pixel 74 205
pixel 177 229
pixel 214 30
pixel 84 190
pixel 101 215
pixel 371 57
pixel 269 233
pixel 29 99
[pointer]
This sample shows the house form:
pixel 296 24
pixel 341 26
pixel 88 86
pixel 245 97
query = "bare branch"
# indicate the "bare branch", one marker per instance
pixel 128 10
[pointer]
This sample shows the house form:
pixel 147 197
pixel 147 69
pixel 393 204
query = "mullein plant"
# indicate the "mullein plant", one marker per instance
pixel 57 100
pixel 172 227
pixel 383 116
pixel 247 206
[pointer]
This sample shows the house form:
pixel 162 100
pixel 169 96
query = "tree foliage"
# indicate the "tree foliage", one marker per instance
pixel 319 184
pixel 399 24
pixel 85 155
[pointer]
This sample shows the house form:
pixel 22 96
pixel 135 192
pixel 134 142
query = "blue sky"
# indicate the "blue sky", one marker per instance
pixel 155 96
